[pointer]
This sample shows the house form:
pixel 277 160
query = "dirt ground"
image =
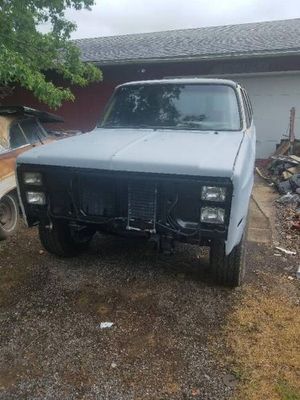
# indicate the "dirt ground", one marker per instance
pixel 172 327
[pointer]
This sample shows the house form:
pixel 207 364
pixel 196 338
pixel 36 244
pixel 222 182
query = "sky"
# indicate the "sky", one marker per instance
pixel 118 17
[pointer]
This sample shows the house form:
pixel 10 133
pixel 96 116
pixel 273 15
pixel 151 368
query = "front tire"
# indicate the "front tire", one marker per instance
pixel 9 215
pixel 60 239
pixel 227 270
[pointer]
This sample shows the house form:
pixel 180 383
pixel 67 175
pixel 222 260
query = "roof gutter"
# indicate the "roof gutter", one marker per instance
pixel 209 57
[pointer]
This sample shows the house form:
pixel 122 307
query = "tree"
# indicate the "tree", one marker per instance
pixel 26 53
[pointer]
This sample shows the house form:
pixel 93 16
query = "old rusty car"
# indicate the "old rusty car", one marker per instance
pixel 20 130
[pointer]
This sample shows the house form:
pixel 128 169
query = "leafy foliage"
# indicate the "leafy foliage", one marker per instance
pixel 26 53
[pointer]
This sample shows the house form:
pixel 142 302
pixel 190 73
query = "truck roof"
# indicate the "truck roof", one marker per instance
pixel 185 81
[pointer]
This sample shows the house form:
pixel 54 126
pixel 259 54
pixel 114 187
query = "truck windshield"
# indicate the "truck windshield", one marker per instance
pixel 174 106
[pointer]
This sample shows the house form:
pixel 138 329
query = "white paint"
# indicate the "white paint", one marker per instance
pixel 165 151
pixel 272 98
pixel 105 325
pixel 242 179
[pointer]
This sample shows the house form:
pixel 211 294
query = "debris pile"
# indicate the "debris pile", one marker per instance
pixel 285 175
pixel 283 172
pixel 283 169
pixel 287 229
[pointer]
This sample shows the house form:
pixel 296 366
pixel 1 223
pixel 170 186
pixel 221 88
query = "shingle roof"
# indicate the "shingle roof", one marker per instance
pixel 261 38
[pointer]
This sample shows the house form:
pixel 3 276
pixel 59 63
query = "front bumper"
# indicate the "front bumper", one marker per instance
pixel 150 203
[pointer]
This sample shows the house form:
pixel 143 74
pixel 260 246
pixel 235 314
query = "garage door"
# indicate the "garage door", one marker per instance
pixel 272 98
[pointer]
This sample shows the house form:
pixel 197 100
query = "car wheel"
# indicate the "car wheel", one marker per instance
pixel 227 270
pixel 61 240
pixel 9 215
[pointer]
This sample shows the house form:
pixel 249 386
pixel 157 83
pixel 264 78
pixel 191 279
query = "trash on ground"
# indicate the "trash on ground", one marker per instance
pixel 195 392
pixel 230 380
pixel 105 325
pixel 282 171
pixel 289 198
pixel 261 174
pixel 285 176
pixel 284 187
pixel 296 225
pixel 283 168
pixel 285 251
pixel 298 273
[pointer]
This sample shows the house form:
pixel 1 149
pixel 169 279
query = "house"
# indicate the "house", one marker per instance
pixel 264 57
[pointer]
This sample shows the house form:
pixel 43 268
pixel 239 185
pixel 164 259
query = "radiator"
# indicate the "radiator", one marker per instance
pixel 142 205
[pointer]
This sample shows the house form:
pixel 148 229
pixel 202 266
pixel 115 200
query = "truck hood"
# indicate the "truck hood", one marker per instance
pixel 184 152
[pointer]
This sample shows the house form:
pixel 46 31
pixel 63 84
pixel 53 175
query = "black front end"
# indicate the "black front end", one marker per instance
pixel 126 202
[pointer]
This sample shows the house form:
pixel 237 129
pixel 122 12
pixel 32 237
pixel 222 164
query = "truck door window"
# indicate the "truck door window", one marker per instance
pixel 246 108
pixel 249 105
pixel 33 131
pixel 16 136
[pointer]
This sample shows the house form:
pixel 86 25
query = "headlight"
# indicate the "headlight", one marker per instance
pixel 213 193
pixel 212 215
pixel 38 198
pixel 32 178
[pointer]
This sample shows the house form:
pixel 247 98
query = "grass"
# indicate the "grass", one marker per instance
pixel 287 392
pixel 263 343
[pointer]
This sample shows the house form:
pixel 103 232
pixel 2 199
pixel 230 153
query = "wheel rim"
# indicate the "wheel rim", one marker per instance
pixel 8 214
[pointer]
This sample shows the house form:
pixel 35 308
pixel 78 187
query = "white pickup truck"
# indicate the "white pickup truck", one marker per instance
pixel 171 159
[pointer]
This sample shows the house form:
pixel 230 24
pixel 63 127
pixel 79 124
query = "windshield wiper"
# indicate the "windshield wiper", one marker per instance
pixel 137 126
pixel 193 126
pixel 192 123
pixel 189 125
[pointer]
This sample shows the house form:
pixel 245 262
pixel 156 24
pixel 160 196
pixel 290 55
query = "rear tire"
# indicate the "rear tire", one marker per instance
pixel 227 270
pixel 59 239
pixel 9 215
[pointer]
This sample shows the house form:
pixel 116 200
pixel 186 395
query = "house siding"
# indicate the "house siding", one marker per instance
pixel 83 113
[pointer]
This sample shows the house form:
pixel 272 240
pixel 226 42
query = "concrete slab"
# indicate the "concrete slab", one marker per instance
pixel 261 213
pixel 259 229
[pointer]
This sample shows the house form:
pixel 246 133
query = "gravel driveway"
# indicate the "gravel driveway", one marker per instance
pixel 165 312
pixel 168 320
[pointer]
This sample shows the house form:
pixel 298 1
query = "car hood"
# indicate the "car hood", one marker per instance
pixel 184 152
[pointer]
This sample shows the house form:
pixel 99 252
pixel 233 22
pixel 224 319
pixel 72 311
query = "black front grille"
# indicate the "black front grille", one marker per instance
pixel 125 199
pixel 114 200
pixel 134 200
pixel 100 196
